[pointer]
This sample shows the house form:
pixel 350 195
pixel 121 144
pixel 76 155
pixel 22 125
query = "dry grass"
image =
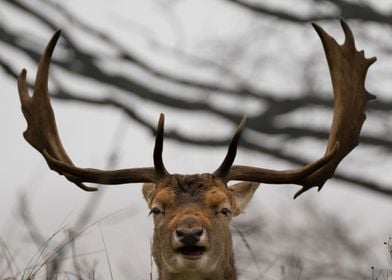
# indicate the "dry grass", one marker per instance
pixel 384 274
pixel 321 248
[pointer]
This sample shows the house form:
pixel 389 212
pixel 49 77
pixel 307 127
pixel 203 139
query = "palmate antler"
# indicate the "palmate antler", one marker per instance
pixel 42 134
pixel 348 69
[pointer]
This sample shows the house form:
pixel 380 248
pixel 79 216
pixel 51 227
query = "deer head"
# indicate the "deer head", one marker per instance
pixel 192 213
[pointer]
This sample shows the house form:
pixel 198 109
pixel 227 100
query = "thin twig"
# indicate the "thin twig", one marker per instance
pixel 106 251
pixel 247 245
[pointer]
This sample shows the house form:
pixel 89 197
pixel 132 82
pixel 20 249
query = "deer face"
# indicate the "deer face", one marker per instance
pixel 191 216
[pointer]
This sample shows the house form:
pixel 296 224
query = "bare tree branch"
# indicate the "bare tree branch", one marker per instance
pixel 346 9
pixel 86 65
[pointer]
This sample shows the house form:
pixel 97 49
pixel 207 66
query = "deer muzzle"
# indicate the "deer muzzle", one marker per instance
pixel 190 239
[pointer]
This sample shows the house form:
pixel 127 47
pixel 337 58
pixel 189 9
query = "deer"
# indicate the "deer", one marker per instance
pixel 192 213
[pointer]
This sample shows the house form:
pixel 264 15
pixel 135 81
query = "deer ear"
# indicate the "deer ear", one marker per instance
pixel 243 192
pixel 148 190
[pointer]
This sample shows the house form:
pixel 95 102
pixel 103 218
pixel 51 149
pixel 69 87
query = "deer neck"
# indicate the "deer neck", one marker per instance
pixel 198 276
pixel 222 273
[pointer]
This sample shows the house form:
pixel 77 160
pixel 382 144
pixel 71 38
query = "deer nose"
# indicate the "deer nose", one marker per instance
pixel 189 236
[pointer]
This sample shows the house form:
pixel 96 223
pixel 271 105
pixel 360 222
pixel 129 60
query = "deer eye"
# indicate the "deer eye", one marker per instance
pixel 155 211
pixel 225 211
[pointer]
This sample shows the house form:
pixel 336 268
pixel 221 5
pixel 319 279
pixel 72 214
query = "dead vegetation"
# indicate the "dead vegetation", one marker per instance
pixel 320 247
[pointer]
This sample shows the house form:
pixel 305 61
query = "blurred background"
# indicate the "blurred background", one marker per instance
pixel 204 64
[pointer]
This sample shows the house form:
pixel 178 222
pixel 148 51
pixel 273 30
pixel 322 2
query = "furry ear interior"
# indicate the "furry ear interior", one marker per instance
pixel 243 192
pixel 148 190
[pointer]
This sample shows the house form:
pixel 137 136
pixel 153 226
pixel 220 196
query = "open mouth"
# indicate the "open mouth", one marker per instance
pixel 192 252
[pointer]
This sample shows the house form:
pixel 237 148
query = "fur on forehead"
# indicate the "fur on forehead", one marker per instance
pixel 199 188
pixel 190 184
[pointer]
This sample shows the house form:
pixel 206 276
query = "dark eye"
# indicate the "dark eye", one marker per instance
pixel 155 211
pixel 225 211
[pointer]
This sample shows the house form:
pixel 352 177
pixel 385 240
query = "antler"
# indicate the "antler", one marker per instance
pixel 42 134
pixel 348 69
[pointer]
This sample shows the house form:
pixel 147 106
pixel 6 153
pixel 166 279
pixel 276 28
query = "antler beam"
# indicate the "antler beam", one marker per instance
pixel 42 134
pixel 348 68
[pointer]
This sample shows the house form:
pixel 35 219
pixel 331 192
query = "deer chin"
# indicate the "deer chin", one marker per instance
pixel 189 259
pixel 197 261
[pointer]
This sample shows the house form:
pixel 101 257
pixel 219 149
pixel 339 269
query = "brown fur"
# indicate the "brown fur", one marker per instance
pixel 195 201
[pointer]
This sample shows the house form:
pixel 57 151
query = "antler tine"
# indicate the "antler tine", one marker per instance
pixel 348 69
pixel 224 168
pixel 42 134
pixel 158 149
pixel 38 111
